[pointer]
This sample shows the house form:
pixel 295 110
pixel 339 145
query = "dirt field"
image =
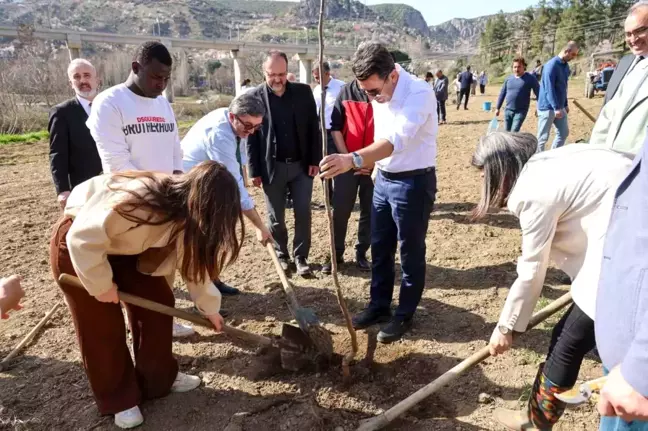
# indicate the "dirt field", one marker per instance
pixel 470 268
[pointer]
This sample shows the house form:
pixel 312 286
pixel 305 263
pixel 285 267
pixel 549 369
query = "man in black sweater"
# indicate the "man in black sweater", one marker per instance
pixel 284 155
pixel 73 153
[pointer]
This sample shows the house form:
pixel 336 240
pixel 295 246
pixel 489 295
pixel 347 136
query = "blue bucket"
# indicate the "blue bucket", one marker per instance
pixel 487 106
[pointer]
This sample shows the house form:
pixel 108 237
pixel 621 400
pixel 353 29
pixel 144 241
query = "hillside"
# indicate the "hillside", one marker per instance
pixel 461 33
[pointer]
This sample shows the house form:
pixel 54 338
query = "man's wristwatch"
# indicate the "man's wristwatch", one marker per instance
pixel 357 160
pixel 503 330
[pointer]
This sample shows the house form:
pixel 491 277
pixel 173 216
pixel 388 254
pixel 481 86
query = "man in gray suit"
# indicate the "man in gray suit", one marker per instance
pixel 637 39
pixel 441 92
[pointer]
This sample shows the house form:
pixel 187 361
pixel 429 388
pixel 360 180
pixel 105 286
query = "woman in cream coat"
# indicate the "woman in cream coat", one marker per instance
pixel 563 200
pixel 130 232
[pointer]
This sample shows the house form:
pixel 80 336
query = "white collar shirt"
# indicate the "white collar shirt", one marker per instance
pixel 332 90
pixel 409 122
pixel 85 103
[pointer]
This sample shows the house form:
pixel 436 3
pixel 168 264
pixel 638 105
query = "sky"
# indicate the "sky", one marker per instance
pixel 436 12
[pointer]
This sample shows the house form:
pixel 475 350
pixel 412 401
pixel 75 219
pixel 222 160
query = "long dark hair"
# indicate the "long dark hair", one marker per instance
pixel 205 207
pixel 501 157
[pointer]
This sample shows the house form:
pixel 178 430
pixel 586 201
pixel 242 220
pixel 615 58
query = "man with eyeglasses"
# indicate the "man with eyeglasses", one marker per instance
pixel 621 124
pixel 284 155
pixel 404 152
pixel 217 136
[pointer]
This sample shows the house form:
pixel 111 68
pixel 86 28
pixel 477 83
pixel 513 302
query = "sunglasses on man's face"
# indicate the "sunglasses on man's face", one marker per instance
pixel 248 127
pixel 375 92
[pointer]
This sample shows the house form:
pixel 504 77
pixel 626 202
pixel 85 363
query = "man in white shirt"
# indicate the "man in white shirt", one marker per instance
pixel 217 136
pixel 404 152
pixel 332 87
pixel 135 127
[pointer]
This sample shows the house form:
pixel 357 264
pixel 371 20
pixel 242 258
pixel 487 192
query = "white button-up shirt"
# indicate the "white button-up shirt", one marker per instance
pixel 409 121
pixel 332 90
pixel 212 138
pixel 85 103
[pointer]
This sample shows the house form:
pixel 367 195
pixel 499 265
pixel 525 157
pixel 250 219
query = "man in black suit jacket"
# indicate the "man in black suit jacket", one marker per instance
pixel 73 153
pixel 284 154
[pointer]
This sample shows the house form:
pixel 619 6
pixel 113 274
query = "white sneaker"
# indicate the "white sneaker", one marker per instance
pixel 180 330
pixel 185 383
pixel 130 418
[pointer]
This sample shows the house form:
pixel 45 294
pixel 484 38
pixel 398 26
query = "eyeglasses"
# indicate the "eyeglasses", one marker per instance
pixel 248 127
pixel 374 92
pixel 639 32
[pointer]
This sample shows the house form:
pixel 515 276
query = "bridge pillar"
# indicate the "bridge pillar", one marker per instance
pixel 305 68
pixel 237 71
pixel 74 46
pixel 168 91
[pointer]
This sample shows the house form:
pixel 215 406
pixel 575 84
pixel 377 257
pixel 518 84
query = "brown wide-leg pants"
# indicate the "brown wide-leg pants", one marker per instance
pixel 117 385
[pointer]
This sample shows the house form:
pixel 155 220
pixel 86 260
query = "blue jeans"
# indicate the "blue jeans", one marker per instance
pixel 545 120
pixel 513 120
pixel 400 213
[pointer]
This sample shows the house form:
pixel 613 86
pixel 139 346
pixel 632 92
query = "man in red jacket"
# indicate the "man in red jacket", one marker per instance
pixel 352 128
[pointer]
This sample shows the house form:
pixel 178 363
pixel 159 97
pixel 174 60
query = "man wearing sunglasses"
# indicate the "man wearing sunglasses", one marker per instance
pixel 621 124
pixel 217 136
pixel 404 151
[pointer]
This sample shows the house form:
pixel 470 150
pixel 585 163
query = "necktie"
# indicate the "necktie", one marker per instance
pixel 238 154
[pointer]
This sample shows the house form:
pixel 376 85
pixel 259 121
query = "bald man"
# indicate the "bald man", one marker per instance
pixel 73 153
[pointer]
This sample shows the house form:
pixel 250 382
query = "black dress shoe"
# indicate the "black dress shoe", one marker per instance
pixel 225 289
pixel 303 268
pixel 369 317
pixel 327 268
pixel 362 263
pixel 395 330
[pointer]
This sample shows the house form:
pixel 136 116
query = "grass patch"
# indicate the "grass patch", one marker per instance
pixel 27 137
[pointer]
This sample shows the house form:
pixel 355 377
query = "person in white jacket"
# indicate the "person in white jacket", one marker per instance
pixel 563 218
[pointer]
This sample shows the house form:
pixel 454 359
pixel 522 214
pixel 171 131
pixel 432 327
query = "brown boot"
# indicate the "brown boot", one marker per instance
pixel 543 409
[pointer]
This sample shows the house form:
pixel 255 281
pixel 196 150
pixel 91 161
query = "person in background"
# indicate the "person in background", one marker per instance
pixel 246 86
pixel 473 85
pixel 537 71
pixel 621 124
pixel 517 91
pixel 352 127
pixel 621 325
pixel 483 82
pixel 552 101
pixel 466 81
pixel 11 292
pixel 291 77
pixel 441 92
pixel 404 151
pixel 73 152
pixel 131 232
pixel 217 136
pixel 332 87
pixel 134 126
pixel 429 78
pixel 284 154
pixel 563 221
pixel 457 88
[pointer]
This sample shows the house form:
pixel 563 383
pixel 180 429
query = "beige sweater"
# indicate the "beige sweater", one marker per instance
pixel 98 231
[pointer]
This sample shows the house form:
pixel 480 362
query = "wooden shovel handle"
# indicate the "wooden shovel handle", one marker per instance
pixel 290 292
pixel 70 280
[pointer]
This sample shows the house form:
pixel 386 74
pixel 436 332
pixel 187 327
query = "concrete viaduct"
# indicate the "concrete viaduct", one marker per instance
pixel 306 54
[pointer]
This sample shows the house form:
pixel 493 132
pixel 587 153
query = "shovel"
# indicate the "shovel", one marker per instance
pixel 306 318
pixel 582 393
pixel 293 346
